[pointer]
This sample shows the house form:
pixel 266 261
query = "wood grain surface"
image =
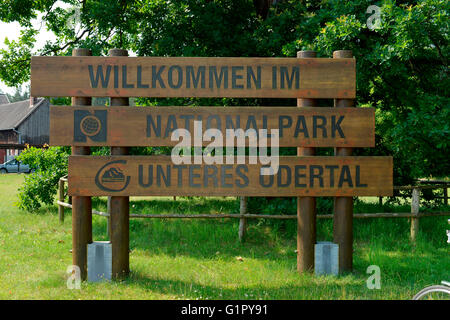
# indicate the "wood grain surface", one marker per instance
pixel 193 77
pixel 297 176
pixel 153 126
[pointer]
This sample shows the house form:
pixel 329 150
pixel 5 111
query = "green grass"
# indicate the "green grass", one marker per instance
pixel 197 259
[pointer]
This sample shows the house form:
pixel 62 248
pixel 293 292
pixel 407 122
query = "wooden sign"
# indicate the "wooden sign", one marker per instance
pixel 296 176
pixel 193 77
pixel 153 126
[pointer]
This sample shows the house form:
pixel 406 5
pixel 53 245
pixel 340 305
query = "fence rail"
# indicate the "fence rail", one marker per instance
pixel 414 215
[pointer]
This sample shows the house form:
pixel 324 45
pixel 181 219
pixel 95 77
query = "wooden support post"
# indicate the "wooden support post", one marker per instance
pixel 306 206
pixel 120 207
pixel 61 198
pixel 108 219
pixel 415 204
pixel 380 201
pixel 243 221
pixel 343 206
pixel 81 206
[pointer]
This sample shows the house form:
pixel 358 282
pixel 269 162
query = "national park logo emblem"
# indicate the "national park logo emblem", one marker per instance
pixel 111 176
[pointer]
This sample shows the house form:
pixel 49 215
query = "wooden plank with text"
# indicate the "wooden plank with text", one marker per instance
pixel 296 176
pixel 153 126
pixel 193 77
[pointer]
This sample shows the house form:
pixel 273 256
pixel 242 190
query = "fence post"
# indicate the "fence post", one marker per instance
pixel 120 206
pixel 61 199
pixel 81 206
pixel 415 203
pixel 343 206
pixel 243 221
pixel 306 206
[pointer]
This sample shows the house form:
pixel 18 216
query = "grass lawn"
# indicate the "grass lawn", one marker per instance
pixel 197 259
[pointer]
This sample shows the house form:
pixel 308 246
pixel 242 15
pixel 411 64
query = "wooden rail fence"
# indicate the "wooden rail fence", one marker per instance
pixel 432 184
pixel 414 215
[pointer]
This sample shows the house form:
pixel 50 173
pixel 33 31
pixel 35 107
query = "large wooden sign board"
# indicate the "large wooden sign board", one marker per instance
pixel 153 126
pixel 193 77
pixel 297 176
pixel 211 77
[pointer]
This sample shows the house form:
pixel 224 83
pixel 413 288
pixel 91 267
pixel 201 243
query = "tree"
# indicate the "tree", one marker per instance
pixel 403 72
pixel 19 94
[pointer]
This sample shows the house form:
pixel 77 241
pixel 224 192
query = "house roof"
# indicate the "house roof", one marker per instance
pixel 13 114
pixel 3 98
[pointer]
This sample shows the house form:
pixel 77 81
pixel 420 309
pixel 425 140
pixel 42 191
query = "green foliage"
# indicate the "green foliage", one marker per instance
pixel 287 206
pixel 41 185
pixel 15 60
pixel 403 72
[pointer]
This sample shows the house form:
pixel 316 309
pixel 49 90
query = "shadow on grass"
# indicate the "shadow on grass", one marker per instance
pixel 184 205
pixel 201 238
pixel 43 210
pixel 206 239
pixel 413 270
pixel 307 287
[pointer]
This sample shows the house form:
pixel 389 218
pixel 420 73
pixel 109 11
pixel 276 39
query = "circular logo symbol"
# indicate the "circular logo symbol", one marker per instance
pixel 90 126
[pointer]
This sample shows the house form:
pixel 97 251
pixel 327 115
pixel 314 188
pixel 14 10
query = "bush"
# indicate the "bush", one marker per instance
pixel 40 187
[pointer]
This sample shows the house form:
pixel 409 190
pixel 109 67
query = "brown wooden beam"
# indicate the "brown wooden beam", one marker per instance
pixel 128 126
pixel 297 177
pixel 167 77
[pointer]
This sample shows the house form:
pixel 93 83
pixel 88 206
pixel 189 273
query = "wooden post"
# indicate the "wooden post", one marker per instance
pixel 120 206
pixel 380 201
pixel 243 221
pixel 81 206
pixel 415 204
pixel 343 206
pixel 306 206
pixel 61 198
pixel 108 219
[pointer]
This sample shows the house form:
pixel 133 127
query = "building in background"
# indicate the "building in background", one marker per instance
pixel 21 123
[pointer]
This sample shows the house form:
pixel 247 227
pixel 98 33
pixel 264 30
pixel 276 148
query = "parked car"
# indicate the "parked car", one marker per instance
pixel 14 166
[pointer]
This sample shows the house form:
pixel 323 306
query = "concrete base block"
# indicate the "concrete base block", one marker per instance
pixel 99 261
pixel 326 258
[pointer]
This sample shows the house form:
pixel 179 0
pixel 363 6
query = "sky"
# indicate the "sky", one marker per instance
pixel 12 32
